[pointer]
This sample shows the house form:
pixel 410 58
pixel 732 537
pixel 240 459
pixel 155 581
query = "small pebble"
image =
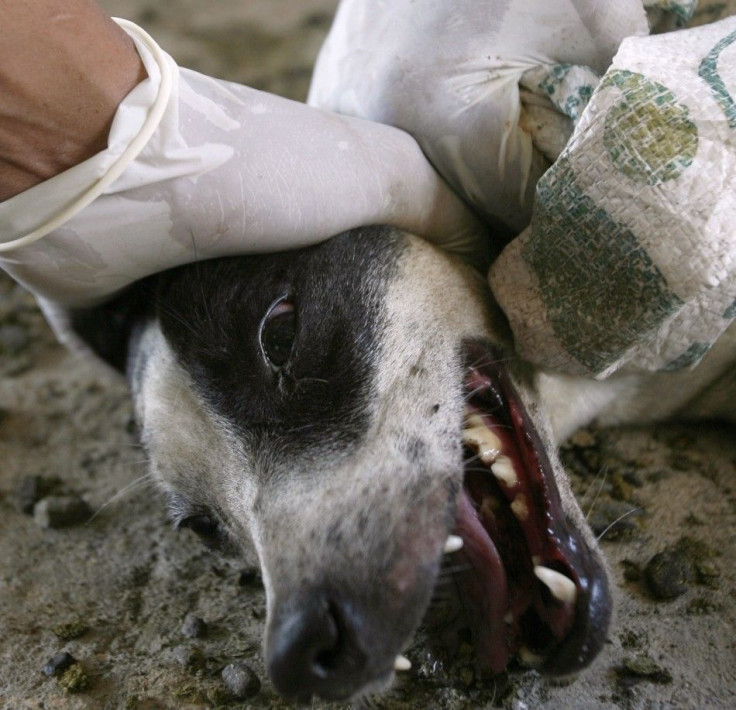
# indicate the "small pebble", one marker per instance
pixel 250 578
pixel 241 680
pixel 194 627
pixel 668 574
pixel 58 664
pixel 61 511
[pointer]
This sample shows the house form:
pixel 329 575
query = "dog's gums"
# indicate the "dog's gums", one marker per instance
pixel 536 589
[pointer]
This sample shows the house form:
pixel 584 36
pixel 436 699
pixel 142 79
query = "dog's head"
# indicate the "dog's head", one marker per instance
pixel 338 412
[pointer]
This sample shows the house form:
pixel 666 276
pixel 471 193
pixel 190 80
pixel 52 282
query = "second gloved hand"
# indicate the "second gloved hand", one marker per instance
pixel 472 80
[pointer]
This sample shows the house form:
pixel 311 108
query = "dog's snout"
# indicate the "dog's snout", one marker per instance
pixel 314 649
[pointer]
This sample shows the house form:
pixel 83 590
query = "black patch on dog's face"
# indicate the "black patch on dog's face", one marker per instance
pixel 212 319
pixel 109 328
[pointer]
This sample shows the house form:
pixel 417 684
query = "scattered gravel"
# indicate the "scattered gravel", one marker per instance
pixel 194 627
pixel 241 680
pixel 58 664
pixel 190 657
pixel 61 511
pixel 642 667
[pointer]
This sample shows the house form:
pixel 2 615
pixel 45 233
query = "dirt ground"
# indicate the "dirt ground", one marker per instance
pixel 114 592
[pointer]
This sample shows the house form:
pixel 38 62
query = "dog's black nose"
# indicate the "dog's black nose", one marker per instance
pixel 313 648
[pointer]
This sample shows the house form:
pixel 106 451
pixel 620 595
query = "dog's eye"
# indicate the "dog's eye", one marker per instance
pixel 278 330
pixel 207 529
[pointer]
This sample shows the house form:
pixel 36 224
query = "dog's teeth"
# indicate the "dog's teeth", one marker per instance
pixel 453 544
pixel 529 658
pixel 520 508
pixel 562 588
pixel 402 663
pixel 504 471
pixel 480 437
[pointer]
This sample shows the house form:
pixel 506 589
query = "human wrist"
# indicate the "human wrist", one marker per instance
pixel 63 72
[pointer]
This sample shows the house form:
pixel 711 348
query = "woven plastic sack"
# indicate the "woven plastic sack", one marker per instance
pixel 629 260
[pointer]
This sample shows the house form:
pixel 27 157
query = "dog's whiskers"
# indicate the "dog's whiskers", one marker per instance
pixel 618 520
pixel 139 483
pixel 602 474
pixel 488 359
pixel 176 316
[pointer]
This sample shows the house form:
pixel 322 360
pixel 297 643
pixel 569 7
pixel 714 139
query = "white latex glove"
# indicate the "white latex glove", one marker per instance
pixel 451 72
pixel 197 168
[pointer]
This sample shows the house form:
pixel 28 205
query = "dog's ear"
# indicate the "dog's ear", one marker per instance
pixel 104 331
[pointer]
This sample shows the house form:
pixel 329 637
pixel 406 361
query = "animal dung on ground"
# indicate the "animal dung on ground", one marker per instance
pixel 61 511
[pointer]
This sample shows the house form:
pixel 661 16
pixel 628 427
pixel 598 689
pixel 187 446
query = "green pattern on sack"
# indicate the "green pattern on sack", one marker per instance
pixel 648 134
pixel 683 9
pixel 692 356
pixel 600 289
pixel 730 312
pixel 570 95
pixel 708 71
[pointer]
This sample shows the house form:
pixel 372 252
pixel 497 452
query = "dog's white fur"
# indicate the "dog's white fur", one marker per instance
pixel 369 519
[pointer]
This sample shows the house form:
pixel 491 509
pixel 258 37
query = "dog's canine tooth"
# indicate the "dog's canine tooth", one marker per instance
pixel 504 471
pixel 452 544
pixel 561 587
pixel 402 663
pixel 477 434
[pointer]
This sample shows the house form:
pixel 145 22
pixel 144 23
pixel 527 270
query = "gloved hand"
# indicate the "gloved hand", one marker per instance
pixel 197 168
pixel 483 85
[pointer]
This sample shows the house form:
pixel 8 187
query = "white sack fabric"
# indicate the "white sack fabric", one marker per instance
pixel 630 259
pixel 628 262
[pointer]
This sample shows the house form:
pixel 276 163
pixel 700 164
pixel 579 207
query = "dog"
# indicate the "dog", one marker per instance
pixel 352 414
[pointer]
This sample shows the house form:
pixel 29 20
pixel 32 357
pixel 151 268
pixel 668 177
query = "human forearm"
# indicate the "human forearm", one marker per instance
pixel 64 68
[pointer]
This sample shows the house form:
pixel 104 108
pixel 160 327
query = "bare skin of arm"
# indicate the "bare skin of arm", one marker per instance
pixel 65 66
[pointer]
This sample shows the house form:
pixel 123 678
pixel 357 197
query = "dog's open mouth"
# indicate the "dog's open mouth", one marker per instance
pixel 536 591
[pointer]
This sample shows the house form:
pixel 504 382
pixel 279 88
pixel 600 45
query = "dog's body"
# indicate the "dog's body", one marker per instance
pixel 307 410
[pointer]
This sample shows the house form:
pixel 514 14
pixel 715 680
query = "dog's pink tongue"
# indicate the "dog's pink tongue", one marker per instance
pixel 486 585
